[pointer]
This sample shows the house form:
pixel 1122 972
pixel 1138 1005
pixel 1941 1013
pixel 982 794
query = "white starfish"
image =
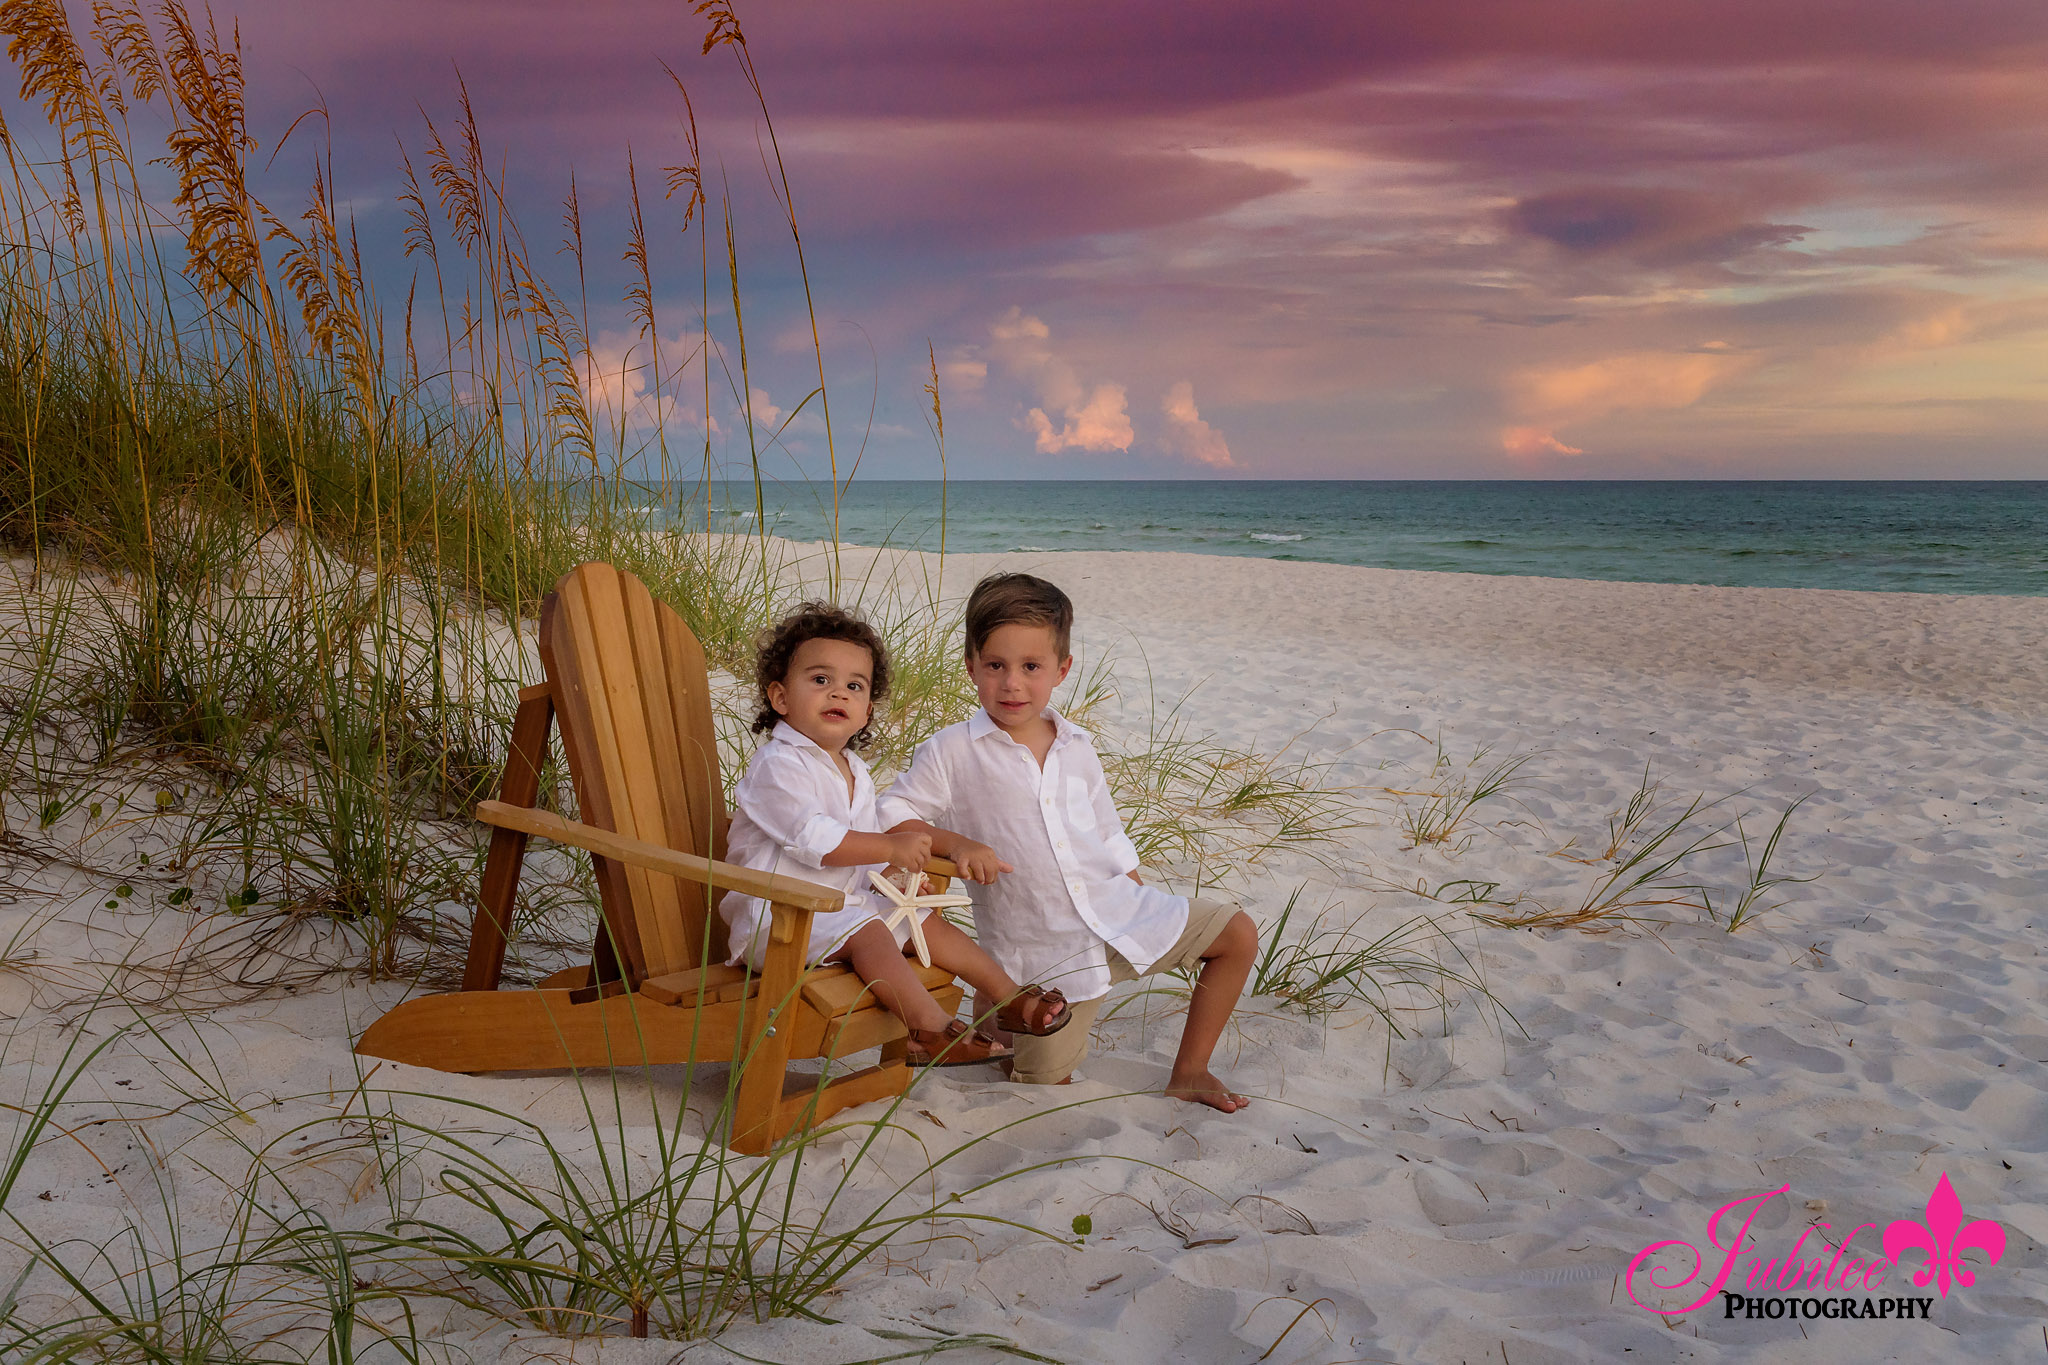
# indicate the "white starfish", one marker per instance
pixel 912 909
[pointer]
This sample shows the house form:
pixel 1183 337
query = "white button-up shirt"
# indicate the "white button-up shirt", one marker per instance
pixel 789 811
pixel 1054 919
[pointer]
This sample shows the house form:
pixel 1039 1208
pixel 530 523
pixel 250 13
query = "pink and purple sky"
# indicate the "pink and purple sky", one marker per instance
pixel 1408 238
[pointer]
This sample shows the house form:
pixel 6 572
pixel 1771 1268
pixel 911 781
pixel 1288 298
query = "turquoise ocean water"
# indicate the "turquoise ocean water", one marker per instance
pixel 1944 537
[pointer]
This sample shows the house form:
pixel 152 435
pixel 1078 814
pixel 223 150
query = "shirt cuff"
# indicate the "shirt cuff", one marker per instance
pixel 1125 852
pixel 820 835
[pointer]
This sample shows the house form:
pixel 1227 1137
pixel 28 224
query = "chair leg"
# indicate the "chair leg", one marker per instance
pixel 604 958
pixel 769 1032
pixel 520 787
pixel 807 1107
pixel 754 1126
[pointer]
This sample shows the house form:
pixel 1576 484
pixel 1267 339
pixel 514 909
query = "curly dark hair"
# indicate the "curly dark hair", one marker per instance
pixel 777 645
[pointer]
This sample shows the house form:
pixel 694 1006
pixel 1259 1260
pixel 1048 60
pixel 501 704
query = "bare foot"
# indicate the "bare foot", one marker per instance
pixel 1204 1088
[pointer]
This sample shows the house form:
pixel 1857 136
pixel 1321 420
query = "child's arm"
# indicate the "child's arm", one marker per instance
pixel 1109 821
pixel 780 793
pixel 977 862
pixel 923 794
pixel 898 848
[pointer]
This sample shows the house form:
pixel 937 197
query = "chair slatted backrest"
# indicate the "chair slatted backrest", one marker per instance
pixel 635 710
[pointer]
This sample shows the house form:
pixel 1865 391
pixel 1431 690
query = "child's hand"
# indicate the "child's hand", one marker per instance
pixel 978 862
pixel 910 850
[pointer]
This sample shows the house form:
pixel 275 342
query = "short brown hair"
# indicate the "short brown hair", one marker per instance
pixel 1017 599
pixel 777 645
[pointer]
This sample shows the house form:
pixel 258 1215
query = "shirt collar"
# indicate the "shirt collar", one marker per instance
pixel 981 724
pixel 789 734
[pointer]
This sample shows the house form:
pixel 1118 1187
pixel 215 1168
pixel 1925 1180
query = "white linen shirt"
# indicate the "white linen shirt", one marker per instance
pixel 789 811
pixel 1054 919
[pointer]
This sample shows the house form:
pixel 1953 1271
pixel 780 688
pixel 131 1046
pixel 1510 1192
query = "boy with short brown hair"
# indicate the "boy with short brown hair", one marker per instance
pixel 1021 781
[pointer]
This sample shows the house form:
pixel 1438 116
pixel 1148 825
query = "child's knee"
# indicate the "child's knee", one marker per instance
pixel 1240 938
pixel 938 929
pixel 872 937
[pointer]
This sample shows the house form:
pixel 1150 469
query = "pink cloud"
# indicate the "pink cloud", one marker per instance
pixel 1090 417
pixel 1187 435
pixel 1559 395
pixel 1099 423
pixel 1532 441
pixel 1639 380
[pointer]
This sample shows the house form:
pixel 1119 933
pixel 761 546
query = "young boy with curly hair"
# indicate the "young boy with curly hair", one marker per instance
pixel 1022 780
pixel 806 808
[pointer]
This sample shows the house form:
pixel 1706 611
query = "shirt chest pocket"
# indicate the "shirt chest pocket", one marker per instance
pixel 1079 807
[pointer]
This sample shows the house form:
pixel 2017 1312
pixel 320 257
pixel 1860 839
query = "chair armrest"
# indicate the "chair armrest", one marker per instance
pixel 941 867
pixel 768 886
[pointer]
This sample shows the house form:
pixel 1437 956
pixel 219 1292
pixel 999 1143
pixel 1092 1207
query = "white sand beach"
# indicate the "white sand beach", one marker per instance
pixel 1474 1191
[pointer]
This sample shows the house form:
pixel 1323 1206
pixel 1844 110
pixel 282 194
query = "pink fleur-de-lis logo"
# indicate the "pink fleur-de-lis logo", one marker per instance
pixel 1946 1237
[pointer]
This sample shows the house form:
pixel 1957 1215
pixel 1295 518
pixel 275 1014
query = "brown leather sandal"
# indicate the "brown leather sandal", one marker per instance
pixel 1010 1018
pixel 954 1045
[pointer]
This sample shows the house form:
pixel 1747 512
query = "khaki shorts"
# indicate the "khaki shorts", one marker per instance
pixel 1048 1061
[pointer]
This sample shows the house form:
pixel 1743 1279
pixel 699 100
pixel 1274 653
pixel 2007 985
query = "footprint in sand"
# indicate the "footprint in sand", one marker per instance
pixel 1769 1043
pixel 1448 1201
pixel 1063 1131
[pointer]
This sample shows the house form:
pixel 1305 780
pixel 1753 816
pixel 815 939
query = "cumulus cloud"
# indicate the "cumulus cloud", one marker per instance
pixel 1529 441
pixel 766 413
pixel 614 374
pixel 616 370
pixel 963 375
pixel 1555 396
pixel 1102 423
pixel 617 374
pixel 1069 415
pixel 1187 435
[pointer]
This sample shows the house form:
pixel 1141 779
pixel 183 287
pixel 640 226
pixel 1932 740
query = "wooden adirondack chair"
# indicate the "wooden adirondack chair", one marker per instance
pixel 626 680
